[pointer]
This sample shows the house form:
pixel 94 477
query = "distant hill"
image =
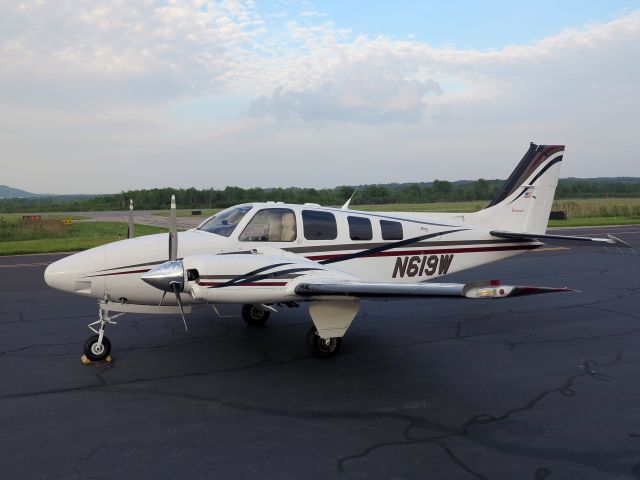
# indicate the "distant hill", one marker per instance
pixel 10 192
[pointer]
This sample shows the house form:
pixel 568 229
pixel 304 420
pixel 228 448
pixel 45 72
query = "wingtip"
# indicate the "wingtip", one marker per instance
pixel 617 242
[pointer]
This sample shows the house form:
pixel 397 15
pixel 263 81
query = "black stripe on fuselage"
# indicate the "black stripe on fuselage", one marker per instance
pixel 363 247
pixel 359 246
pixel 229 277
pixel 146 264
pixel 281 274
pixel 243 278
pixel 388 246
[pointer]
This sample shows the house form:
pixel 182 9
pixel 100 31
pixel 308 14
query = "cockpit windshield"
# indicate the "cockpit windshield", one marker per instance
pixel 224 222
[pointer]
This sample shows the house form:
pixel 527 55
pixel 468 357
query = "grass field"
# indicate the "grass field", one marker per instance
pixel 51 235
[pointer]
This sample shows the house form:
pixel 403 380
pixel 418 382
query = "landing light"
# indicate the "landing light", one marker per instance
pixel 486 292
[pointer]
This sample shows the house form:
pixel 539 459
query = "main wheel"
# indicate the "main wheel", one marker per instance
pixel 94 352
pixel 321 347
pixel 255 315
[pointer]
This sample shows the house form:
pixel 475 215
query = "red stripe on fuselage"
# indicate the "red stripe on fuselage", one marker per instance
pixel 145 270
pixel 241 284
pixel 398 253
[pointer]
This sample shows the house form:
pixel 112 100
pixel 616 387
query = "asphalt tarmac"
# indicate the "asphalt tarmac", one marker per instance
pixel 543 387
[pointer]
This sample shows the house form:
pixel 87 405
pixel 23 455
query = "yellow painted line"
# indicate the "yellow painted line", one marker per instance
pixel 551 249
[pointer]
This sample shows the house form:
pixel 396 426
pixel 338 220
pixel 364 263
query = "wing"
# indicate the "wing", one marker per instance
pixel 610 241
pixel 359 289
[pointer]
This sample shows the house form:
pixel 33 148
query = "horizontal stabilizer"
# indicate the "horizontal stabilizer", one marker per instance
pixel 394 290
pixel 610 241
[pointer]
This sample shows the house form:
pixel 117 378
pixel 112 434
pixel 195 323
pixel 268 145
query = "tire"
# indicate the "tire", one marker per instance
pixel 321 348
pixel 255 315
pixel 92 352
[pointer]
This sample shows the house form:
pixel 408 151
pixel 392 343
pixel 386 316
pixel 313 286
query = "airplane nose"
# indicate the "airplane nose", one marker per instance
pixel 73 273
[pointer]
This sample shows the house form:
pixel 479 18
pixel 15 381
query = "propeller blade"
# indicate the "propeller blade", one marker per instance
pixel 173 231
pixel 176 290
pixel 162 299
pixel 130 233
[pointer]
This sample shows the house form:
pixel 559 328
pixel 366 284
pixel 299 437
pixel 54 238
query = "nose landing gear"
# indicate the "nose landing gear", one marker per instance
pixel 98 347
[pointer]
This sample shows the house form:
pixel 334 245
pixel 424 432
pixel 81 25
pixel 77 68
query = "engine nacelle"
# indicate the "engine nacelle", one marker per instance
pixel 246 277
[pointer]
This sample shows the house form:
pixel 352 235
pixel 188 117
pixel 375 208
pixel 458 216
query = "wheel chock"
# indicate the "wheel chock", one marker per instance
pixel 85 360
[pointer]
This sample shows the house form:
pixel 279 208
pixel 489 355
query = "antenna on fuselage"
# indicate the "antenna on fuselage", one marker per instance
pixel 346 204
pixel 130 232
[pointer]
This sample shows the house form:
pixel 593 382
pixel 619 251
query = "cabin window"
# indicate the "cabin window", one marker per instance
pixel 391 230
pixel 319 225
pixel 271 225
pixel 225 222
pixel 360 228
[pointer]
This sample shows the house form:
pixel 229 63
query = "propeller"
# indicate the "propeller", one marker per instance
pixel 173 231
pixel 169 277
pixel 130 233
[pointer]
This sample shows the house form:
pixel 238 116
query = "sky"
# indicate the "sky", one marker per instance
pixel 101 97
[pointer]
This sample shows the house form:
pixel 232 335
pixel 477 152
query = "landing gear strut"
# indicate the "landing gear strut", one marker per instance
pixel 322 347
pixel 98 347
pixel 255 315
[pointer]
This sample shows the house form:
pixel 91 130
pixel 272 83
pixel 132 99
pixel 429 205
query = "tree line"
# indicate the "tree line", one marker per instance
pixel 192 198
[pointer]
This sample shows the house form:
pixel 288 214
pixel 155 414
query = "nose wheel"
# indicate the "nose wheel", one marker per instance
pixel 322 347
pixel 98 347
pixel 97 350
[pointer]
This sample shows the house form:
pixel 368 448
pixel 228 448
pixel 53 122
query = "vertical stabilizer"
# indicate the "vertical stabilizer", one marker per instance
pixel 524 202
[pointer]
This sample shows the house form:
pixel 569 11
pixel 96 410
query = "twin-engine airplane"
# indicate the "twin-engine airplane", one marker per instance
pixel 263 255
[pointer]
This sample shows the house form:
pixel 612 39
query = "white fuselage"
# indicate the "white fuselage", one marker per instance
pixel 398 249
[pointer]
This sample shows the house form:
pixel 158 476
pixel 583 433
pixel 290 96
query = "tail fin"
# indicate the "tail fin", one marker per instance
pixel 524 201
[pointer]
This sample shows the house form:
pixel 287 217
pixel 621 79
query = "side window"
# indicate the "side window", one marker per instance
pixel 319 225
pixel 271 225
pixel 360 228
pixel 391 230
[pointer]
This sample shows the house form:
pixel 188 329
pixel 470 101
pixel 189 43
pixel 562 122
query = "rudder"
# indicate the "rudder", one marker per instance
pixel 524 202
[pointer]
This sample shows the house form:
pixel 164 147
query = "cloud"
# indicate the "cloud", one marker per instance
pixel 86 54
pixel 379 80
pixel 85 84
pixel 360 95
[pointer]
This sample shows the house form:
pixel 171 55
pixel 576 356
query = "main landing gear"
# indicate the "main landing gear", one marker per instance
pixel 322 347
pixel 98 347
pixel 255 315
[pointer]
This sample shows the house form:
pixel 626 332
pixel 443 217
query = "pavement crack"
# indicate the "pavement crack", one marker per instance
pixel 513 345
pixel 455 459
pixel 37 345
pixel 86 458
pixel 567 389
pixel 106 366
